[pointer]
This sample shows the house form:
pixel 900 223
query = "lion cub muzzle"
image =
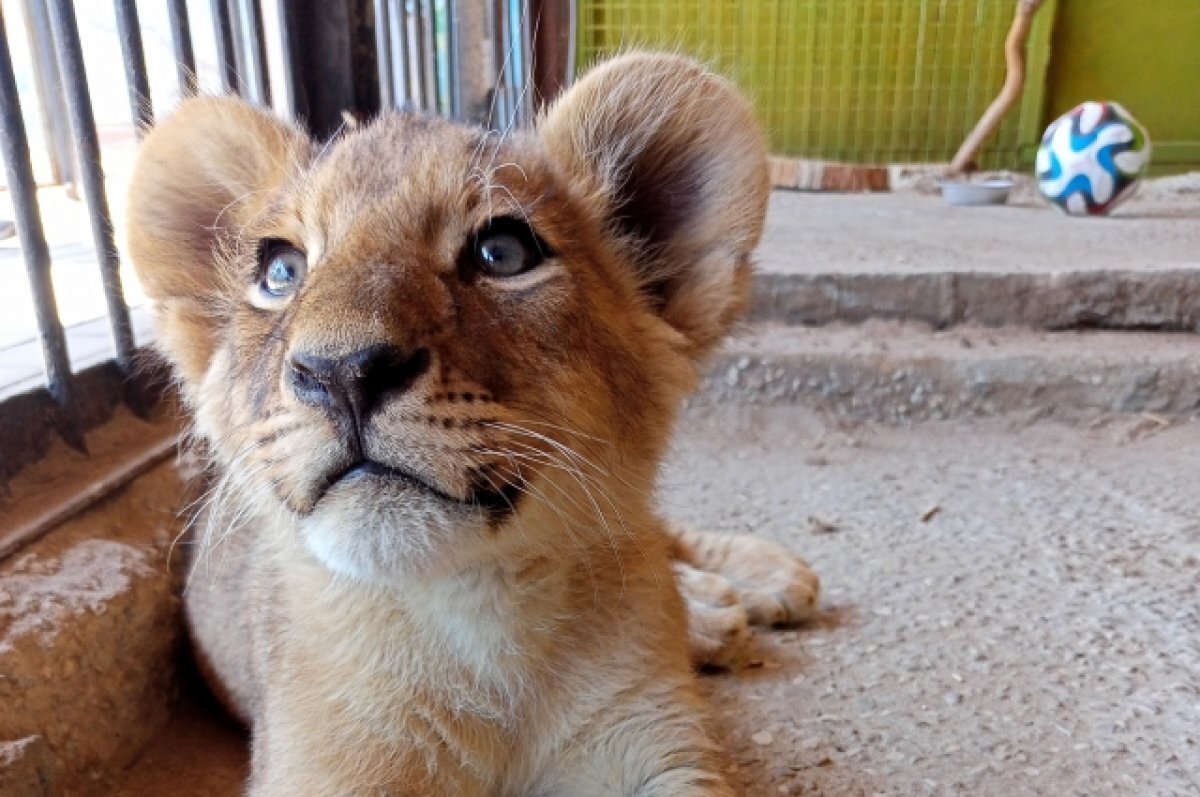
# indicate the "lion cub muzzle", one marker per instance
pixel 349 388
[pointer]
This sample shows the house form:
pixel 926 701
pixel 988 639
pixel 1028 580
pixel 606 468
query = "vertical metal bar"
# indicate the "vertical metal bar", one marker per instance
pixel 404 59
pixel 429 55
pixel 49 88
pixel 415 53
pixel 331 46
pixel 383 53
pixel 288 46
pixel 501 107
pixel 14 147
pixel 572 43
pixel 453 59
pixel 256 44
pixel 181 38
pixel 420 45
pixel 138 84
pixel 470 19
pixel 241 58
pixel 83 123
pixel 437 57
pixel 226 55
pixel 526 25
pixel 250 49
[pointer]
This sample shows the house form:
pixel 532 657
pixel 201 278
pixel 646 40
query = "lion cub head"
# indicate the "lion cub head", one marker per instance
pixel 422 345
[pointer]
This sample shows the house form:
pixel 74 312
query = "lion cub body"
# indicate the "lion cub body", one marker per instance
pixel 434 372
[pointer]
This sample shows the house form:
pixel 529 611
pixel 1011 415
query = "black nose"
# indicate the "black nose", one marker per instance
pixel 354 384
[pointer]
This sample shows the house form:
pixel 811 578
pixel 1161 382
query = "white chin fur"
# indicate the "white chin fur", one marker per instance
pixel 391 538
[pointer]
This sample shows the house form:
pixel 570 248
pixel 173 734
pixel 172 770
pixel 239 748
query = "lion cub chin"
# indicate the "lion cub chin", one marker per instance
pixel 433 372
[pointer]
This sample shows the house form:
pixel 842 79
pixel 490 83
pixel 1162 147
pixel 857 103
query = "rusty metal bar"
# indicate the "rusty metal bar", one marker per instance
pixel 14 148
pixel 138 84
pixel 181 38
pixel 83 123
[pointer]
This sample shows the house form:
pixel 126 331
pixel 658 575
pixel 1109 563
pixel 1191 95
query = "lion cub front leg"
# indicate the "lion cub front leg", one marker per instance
pixel 728 581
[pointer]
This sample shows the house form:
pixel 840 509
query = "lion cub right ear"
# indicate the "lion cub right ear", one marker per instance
pixel 201 176
pixel 670 156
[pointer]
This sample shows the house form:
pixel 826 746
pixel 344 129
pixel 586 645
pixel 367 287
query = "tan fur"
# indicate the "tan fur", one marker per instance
pixel 391 635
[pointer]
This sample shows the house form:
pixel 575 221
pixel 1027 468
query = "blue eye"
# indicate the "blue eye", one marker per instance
pixel 506 247
pixel 283 268
pixel 503 255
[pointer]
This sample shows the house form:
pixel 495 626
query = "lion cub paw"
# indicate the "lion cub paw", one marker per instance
pixel 775 586
pixel 718 627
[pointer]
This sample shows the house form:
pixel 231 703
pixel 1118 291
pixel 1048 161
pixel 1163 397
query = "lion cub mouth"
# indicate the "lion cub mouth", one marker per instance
pixel 495 499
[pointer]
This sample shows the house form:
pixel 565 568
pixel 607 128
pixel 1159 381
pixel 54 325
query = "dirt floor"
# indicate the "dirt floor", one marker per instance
pixel 1008 609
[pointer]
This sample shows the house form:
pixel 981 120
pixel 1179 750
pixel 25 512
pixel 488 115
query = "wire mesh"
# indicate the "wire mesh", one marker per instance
pixel 882 81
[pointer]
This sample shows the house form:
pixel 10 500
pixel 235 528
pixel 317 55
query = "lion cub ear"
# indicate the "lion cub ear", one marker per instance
pixel 670 155
pixel 201 175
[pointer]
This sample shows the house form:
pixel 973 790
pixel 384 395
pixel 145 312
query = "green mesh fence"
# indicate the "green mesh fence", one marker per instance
pixel 872 81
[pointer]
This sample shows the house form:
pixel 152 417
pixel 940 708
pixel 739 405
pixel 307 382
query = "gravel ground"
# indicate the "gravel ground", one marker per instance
pixel 1008 610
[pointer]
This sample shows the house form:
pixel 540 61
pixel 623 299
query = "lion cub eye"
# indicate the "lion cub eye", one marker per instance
pixel 283 266
pixel 506 247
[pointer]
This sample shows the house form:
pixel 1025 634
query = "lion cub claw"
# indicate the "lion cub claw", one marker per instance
pixel 731 582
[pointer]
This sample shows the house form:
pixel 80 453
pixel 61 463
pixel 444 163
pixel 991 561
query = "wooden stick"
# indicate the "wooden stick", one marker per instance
pixel 1014 84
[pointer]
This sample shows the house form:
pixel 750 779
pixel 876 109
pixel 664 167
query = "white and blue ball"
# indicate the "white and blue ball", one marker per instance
pixel 1092 158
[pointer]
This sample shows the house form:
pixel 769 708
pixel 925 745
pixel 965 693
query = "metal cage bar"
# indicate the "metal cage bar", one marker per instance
pixel 181 40
pixel 140 106
pixel 258 50
pixel 83 123
pixel 401 70
pixel 226 50
pixel 14 147
pixel 383 52
pixel 49 87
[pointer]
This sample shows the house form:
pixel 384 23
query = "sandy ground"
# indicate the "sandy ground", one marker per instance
pixel 1009 609
pixel 1158 228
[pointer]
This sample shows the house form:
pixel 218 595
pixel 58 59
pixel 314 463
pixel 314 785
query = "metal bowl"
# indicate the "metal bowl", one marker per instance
pixel 986 192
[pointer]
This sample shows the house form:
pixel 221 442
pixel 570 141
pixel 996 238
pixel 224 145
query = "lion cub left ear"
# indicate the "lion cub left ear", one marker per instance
pixel 670 155
pixel 202 175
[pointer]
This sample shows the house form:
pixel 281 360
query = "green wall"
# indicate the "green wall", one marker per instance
pixel 882 81
pixel 890 81
pixel 1145 55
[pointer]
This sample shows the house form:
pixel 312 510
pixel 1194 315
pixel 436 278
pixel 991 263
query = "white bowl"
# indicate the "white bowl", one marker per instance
pixel 987 192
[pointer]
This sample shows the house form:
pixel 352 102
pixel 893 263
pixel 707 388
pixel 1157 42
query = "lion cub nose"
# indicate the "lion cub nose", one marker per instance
pixel 354 384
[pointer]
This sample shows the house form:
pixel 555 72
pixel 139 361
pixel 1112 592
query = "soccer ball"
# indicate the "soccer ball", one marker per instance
pixel 1092 158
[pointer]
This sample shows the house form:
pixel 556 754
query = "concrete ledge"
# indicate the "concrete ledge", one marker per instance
pixel 801 174
pixel 89 636
pixel 898 372
pixel 1167 300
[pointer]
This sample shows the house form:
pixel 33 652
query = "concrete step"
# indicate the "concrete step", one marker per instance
pixel 1161 300
pixel 900 371
pixel 827 258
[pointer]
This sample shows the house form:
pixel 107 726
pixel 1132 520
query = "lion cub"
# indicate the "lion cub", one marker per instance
pixel 434 372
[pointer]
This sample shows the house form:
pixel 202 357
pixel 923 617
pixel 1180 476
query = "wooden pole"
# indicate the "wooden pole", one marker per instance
pixel 1014 85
